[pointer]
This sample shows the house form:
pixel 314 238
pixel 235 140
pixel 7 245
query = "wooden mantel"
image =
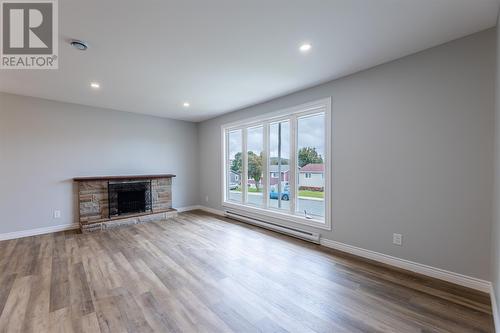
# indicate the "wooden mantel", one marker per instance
pixel 124 177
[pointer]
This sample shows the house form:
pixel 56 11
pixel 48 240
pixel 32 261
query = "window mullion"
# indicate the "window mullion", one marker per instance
pixel 265 162
pixel 227 164
pixel 293 163
pixel 244 176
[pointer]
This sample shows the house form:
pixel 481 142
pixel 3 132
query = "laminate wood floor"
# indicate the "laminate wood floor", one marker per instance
pixel 201 273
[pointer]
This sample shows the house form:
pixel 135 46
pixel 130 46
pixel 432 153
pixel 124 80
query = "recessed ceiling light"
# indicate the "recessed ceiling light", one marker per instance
pixel 305 47
pixel 186 104
pixel 94 85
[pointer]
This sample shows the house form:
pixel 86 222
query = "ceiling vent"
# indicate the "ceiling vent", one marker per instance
pixel 79 44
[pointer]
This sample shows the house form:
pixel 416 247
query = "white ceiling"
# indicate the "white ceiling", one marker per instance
pixel 222 55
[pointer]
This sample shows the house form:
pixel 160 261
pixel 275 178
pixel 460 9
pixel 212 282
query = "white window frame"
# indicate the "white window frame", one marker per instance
pixel 323 105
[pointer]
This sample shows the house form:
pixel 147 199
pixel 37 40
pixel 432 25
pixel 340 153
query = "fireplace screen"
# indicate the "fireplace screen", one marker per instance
pixel 129 197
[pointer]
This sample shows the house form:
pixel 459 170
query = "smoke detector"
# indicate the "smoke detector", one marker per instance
pixel 79 44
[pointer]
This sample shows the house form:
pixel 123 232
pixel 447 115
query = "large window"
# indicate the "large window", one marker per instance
pixel 279 165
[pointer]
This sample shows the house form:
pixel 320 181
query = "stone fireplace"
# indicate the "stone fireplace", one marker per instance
pixel 107 202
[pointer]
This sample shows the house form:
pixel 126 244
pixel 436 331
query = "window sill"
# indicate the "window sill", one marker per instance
pixel 280 216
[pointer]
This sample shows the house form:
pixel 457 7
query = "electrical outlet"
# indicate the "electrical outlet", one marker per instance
pixel 206 198
pixel 57 214
pixel 397 239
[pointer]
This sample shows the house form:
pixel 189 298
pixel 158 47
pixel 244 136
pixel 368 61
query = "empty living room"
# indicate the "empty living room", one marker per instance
pixel 306 166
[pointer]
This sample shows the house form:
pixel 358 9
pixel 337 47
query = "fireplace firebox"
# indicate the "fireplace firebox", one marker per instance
pixel 129 197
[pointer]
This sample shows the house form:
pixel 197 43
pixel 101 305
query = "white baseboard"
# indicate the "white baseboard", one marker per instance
pixel 494 308
pixel 201 207
pixel 38 231
pixel 188 208
pixel 438 273
pixel 212 210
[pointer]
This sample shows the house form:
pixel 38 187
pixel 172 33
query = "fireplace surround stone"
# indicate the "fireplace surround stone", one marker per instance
pixel 93 201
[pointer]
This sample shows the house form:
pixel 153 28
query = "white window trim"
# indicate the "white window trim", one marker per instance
pixel 266 119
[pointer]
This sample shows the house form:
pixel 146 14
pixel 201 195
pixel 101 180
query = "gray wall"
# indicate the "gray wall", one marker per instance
pixel 44 144
pixel 495 234
pixel 412 154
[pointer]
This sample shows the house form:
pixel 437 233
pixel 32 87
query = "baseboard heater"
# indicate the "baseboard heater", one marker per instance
pixel 298 233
